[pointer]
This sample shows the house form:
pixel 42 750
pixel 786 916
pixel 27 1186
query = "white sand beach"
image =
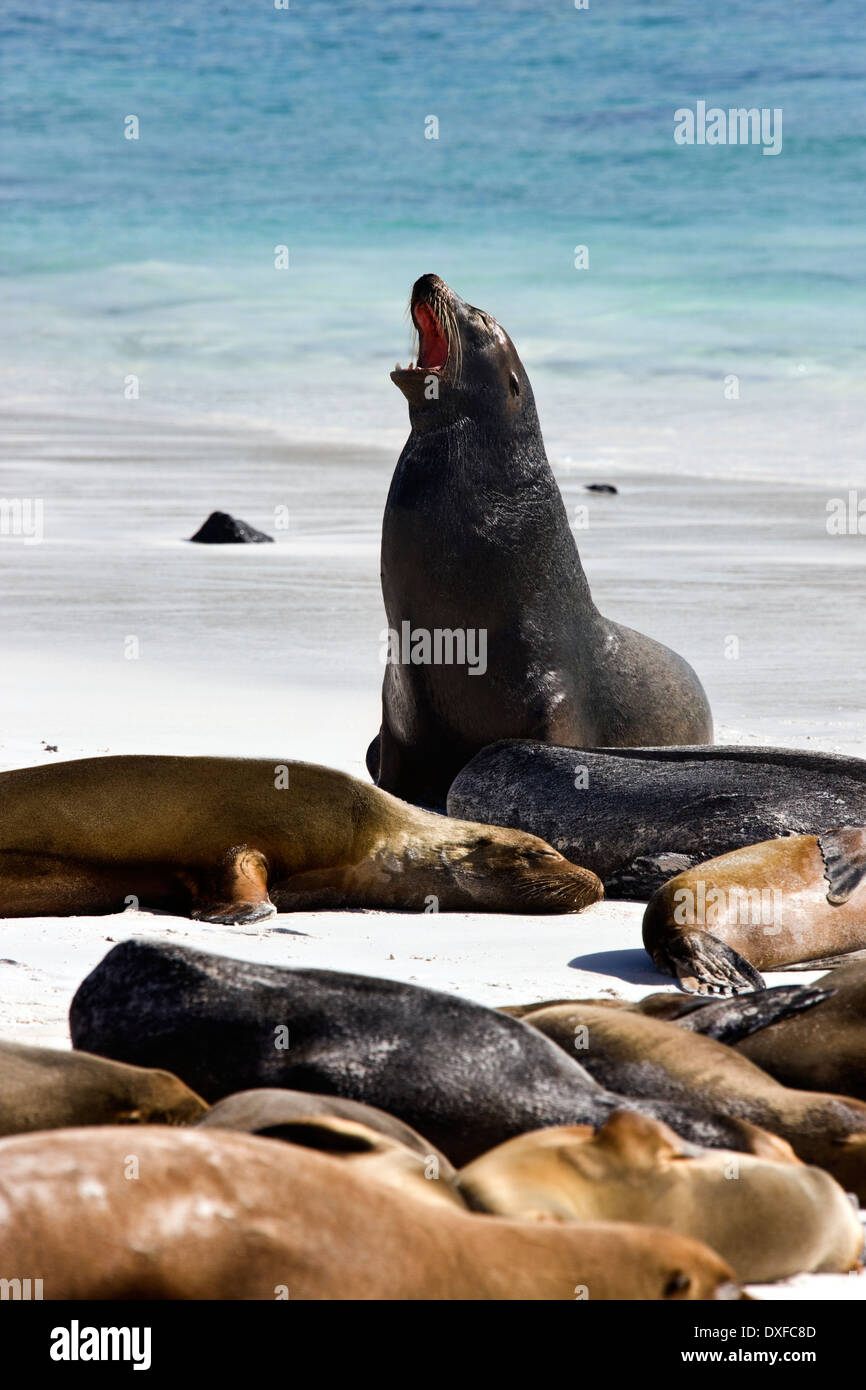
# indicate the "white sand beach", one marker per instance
pixel 273 651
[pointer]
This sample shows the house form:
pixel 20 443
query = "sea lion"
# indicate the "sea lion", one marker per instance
pixel 770 906
pixel 638 816
pixel 478 555
pixel 463 1075
pixel 728 1020
pixel 824 1049
pixel 767 1219
pixel 370 1138
pixel 234 840
pixel 47 1088
pixel 216 1215
pixel 641 1056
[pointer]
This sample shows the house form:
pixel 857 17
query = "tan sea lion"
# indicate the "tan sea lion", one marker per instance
pixel 770 906
pixel 768 1219
pixel 641 1057
pixel 234 840
pixel 194 1214
pixel 824 1049
pixel 374 1142
pixel 47 1088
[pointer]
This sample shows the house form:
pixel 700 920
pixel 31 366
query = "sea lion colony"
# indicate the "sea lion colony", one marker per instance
pixel 636 1167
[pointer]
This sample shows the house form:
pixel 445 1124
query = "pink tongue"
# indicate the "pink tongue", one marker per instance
pixel 434 344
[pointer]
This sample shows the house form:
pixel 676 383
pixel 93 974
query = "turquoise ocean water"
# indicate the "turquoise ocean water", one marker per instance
pixel 305 127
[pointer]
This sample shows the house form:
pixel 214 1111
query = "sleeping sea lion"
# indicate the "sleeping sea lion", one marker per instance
pixel 234 840
pixel 768 1219
pixel 216 1215
pixel 52 1088
pixel 638 816
pixel 642 1057
pixel 465 1076
pixel 799 901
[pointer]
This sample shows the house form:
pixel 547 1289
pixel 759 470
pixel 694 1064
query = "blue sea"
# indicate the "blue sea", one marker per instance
pixel 307 127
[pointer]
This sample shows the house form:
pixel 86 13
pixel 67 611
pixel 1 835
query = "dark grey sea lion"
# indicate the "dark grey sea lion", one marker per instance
pixel 476 545
pixel 638 816
pixel 465 1076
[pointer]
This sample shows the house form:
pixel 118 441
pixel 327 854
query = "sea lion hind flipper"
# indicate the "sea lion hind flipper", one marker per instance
pixel 236 893
pixel 704 965
pixel 844 855
pixel 730 1020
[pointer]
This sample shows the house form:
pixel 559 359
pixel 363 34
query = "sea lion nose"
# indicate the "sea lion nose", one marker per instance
pixel 426 286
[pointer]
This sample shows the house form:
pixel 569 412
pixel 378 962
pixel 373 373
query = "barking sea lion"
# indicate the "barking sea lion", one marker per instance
pixel 478 556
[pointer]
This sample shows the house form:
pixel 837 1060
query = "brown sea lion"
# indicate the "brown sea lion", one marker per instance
pixel 824 1049
pixel 47 1088
pixel 479 557
pixel 770 906
pixel 642 1057
pixel 768 1219
pixel 727 1019
pixel 194 1214
pixel 234 840
pixel 374 1141
pixel 485 1077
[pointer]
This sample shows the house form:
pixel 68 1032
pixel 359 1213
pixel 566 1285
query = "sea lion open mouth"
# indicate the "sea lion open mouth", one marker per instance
pixel 433 342
pixel 433 320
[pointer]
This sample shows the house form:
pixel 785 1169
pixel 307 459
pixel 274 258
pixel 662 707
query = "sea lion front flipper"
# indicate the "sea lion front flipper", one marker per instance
pixel 237 893
pixel 844 854
pixel 705 965
pixel 730 1020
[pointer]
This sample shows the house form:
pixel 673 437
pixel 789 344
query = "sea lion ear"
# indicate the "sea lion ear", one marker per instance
pixel 639 1139
pixel 514 384
pixel 844 854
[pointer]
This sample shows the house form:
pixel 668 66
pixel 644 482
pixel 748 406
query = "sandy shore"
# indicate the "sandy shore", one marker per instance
pixel 273 651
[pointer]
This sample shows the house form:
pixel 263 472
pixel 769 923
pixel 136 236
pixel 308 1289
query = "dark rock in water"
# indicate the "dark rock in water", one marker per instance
pixel 601 487
pixel 464 1076
pixel 222 529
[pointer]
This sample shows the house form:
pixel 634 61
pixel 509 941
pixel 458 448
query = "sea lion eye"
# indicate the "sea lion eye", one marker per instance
pixel 514 384
pixel 678 1283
